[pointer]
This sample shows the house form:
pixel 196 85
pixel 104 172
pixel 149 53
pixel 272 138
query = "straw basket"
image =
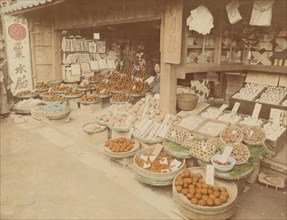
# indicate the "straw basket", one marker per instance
pixel 186 101
pixel 224 211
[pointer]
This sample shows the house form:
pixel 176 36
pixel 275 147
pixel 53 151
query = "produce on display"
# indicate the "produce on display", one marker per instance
pixel 61 89
pixel 251 121
pixel 27 94
pixel 211 113
pixel 273 95
pixel 54 99
pixel 254 136
pixel 120 98
pixel 89 99
pixel 249 91
pixel 240 153
pixel 230 117
pixel 41 87
pixel 231 135
pixel 273 131
pixel 85 87
pixel 47 94
pixel 201 150
pixel 194 188
pixel 120 144
pixel 217 142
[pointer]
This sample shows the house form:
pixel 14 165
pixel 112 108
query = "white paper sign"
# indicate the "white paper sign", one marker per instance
pixel 235 107
pixel 96 36
pixel 226 153
pixel 17 44
pixel 256 110
pixel 209 174
pixel 276 116
pixel 223 107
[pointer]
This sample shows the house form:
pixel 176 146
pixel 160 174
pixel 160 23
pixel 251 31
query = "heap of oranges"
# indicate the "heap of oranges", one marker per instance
pixel 193 187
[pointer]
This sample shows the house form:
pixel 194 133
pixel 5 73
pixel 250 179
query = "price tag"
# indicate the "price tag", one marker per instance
pixel 226 153
pixel 235 107
pixel 276 116
pixel 256 110
pixel 145 108
pixel 96 36
pixel 223 107
pixel 209 174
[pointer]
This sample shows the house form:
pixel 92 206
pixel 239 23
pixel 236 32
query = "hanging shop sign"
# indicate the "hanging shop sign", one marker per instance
pixel 18 53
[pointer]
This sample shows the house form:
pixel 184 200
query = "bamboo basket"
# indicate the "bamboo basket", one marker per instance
pixel 224 211
pixel 186 101
pixel 154 178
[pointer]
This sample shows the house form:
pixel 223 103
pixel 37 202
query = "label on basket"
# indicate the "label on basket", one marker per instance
pixel 226 153
pixel 256 110
pixel 209 175
pixel 235 107
pixel 223 107
pixel 276 116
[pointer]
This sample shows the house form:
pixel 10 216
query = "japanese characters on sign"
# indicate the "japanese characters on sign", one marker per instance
pixel 18 53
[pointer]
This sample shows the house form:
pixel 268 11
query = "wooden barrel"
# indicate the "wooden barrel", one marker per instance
pixel 154 178
pixel 193 211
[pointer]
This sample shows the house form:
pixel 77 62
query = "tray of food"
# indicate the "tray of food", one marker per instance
pixel 120 99
pixel 240 153
pixel 73 94
pixel 95 79
pixel 121 147
pixel 54 99
pixel 42 87
pixel 27 94
pixel 254 136
pixel 61 89
pixel 89 99
pixel 93 127
pixel 47 94
pixel 231 135
pixel 85 87
pixel 157 170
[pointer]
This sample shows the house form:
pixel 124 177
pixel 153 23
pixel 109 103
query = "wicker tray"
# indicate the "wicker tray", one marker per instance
pixel 120 155
pixel 154 178
pixel 72 96
pixel 93 131
pixel 27 96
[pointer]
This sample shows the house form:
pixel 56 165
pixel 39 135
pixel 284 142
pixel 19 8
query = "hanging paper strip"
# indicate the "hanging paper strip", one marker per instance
pixel 18 53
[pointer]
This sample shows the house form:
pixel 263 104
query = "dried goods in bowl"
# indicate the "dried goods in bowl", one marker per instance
pixel 95 79
pixel 120 145
pixel 224 167
pixel 54 99
pixel 240 153
pixel 27 94
pixel 163 164
pixel 73 94
pixel 254 136
pixel 85 87
pixel 120 98
pixel 231 135
pixel 61 89
pixel 41 87
pixel 47 94
pixel 217 142
pixel 89 99
pixel 189 186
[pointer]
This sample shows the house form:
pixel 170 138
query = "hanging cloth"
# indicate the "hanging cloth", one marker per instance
pixel 262 13
pixel 200 20
pixel 232 12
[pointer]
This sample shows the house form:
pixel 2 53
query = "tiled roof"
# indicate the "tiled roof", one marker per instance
pixel 24 4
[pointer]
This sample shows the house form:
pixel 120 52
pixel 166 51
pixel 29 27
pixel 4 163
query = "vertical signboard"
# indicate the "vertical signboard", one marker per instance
pixel 18 53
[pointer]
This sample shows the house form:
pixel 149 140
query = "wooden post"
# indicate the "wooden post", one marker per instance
pixel 171 36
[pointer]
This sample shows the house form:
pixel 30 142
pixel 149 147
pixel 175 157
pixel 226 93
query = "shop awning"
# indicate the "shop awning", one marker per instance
pixel 22 6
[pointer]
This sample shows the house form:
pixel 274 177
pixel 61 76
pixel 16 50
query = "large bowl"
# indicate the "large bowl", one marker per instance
pixel 223 168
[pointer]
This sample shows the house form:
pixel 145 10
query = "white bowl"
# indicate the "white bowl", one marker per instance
pixel 223 168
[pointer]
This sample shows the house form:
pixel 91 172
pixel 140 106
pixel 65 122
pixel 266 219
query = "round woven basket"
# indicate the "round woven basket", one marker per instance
pixel 186 101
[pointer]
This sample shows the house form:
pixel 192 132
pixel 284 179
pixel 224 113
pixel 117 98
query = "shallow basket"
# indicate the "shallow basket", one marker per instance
pixel 224 211
pixel 154 178
pixel 186 101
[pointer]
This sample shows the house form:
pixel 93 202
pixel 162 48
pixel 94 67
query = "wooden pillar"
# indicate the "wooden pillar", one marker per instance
pixel 171 39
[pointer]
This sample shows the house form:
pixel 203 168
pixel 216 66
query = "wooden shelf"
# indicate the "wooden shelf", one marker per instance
pixel 199 47
pixel 213 67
